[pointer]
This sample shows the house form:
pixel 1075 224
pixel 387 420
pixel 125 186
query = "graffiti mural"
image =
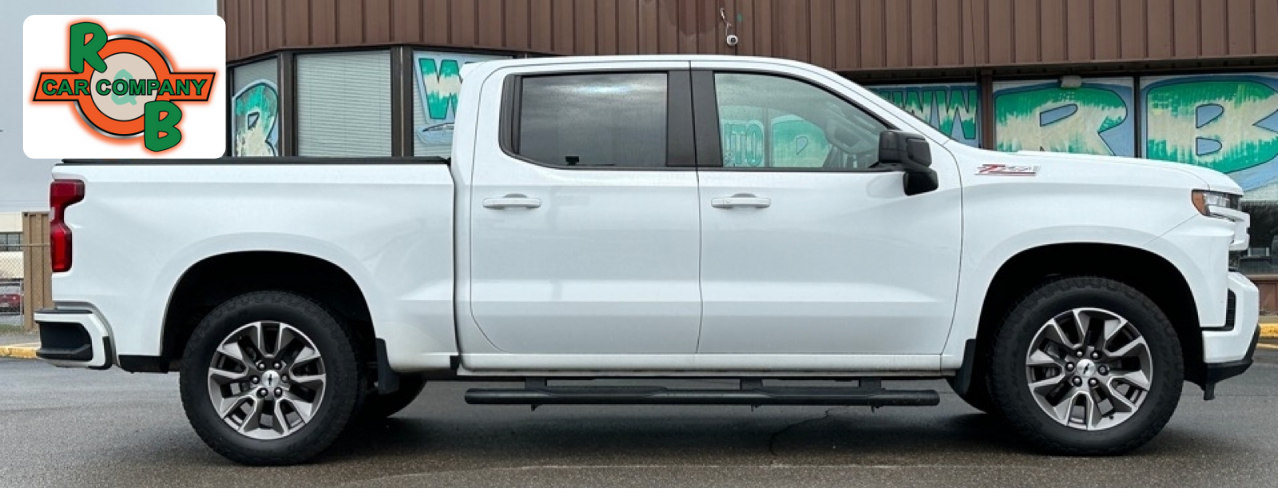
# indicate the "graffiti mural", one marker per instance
pixel 1225 122
pixel 950 108
pixel 1095 118
pixel 255 112
pixel 438 76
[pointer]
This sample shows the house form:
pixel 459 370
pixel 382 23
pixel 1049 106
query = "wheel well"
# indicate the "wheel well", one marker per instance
pixel 216 279
pixel 1145 271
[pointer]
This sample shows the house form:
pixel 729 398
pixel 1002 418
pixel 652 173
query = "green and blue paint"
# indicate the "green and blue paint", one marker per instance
pixel 255 111
pixel 1095 118
pixel 1224 122
pixel 952 109
pixel 439 78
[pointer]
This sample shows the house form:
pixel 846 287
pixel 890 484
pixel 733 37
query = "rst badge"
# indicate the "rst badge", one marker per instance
pixel 1008 170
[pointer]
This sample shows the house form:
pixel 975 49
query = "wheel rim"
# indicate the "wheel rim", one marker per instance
pixel 266 380
pixel 1089 369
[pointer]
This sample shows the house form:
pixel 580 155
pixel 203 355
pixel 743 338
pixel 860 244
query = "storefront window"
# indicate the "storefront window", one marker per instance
pixel 255 110
pixel 344 104
pixel 436 82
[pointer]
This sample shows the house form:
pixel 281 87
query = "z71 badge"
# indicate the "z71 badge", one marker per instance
pixel 1009 170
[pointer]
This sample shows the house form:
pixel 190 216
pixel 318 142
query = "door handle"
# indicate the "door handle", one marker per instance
pixel 513 200
pixel 740 200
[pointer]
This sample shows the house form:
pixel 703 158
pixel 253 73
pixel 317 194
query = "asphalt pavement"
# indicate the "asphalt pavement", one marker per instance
pixel 85 428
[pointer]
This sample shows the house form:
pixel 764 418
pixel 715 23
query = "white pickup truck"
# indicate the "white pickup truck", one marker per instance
pixel 656 217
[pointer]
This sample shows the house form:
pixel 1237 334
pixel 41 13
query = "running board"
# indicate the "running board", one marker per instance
pixel 751 393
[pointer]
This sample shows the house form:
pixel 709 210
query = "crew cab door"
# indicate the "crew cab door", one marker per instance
pixel 807 247
pixel 584 220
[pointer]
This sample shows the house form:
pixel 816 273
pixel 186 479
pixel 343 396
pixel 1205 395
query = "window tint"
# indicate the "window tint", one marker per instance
pixel 614 120
pixel 776 122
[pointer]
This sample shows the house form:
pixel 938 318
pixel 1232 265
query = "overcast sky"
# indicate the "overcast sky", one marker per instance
pixel 24 181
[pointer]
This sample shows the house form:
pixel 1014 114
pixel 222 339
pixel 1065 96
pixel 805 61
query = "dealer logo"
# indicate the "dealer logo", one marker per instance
pixel 123 86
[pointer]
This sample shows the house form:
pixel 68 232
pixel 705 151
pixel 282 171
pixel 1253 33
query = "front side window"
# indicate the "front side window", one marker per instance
pixel 776 122
pixel 611 120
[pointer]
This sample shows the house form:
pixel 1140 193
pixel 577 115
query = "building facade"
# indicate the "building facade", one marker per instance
pixel 1184 81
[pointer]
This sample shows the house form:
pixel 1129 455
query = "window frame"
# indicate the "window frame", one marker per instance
pixel 680 151
pixel 707 122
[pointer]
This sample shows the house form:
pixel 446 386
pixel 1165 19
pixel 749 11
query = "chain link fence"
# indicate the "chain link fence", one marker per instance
pixel 11 283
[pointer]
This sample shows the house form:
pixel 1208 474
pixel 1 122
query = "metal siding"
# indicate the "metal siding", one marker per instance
pixel 1053 32
pixel 1159 29
pixel 1000 36
pixel 844 35
pixel 1264 18
pixel 950 28
pixel 1186 28
pixel 562 26
pixel 435 22
pixel 846 38
pixel 1133 38
pixel 1106 29
pixel 821 33
pixel 1213 25
pixel 1080 32
pixel 462 23
pixel 897 25
pixel 1239 27
pixel 628 26
pixel 491 22
pixel 540 25
pixel 406 21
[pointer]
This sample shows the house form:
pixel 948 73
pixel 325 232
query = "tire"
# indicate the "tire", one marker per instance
pixel 1086 300
pixel 381 406
pixel 333 380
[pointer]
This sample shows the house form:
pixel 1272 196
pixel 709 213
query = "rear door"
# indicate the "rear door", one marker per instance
pixel 808 246
pixel 584 221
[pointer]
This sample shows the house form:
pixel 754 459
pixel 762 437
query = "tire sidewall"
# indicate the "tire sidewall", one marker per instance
pixel 1009 383
pixel 341 375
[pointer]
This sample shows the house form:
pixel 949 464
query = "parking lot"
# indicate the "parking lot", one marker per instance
pixel 82 428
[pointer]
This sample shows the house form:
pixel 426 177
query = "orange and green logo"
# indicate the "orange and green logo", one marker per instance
pixel 124 86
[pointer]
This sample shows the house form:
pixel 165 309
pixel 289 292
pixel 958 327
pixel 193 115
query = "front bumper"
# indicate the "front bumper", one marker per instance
pixel 1228 350
pixel 73 338
pixel 1231 341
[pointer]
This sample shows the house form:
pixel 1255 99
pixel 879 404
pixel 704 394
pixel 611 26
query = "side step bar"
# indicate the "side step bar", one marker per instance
pixel 750 393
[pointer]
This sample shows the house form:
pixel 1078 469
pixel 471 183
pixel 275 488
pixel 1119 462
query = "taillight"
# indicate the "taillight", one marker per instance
pixel 62 193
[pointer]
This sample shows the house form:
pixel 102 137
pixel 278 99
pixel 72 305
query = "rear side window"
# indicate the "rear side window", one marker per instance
pixel 608 120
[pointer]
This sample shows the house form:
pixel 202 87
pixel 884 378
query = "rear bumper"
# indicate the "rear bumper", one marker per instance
pixel 73 338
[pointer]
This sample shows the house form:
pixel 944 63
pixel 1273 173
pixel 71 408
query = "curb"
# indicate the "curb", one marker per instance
pixel 1268 330
pixel 21 350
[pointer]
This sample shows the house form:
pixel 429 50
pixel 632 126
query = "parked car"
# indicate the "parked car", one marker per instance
pixel 10 298
pixel 656 217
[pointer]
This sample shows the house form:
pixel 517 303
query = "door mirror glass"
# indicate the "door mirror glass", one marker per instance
pixel 909 152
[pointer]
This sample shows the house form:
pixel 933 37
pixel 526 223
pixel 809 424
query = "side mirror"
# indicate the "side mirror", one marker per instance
pixel 909 152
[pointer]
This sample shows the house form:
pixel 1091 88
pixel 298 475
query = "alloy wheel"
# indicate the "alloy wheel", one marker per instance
pixel 1089 369
pixel 266 380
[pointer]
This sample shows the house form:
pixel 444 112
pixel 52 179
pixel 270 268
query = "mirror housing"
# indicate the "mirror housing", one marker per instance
pixel 909 152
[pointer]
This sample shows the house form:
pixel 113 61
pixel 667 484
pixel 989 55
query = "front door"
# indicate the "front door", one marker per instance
pixel 808 246
pixel 584 224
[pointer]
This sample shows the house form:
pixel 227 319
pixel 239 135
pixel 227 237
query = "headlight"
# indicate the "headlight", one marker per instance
pixel 1203 199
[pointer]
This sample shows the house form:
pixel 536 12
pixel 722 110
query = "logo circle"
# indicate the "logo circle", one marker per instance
pixel 131 69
